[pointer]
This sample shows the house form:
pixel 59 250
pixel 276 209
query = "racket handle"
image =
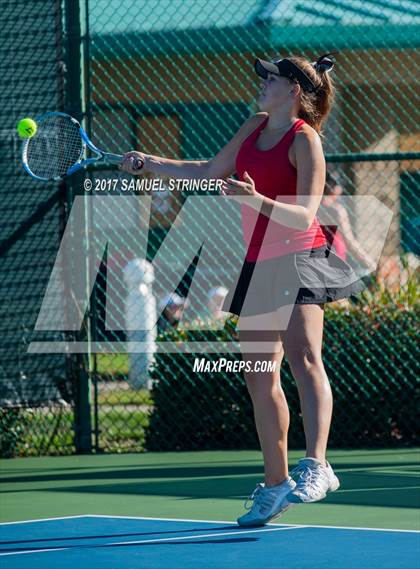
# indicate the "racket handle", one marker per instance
pixel 138 163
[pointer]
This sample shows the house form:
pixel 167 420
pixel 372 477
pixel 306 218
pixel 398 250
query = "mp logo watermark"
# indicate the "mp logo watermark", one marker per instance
pixel 217 229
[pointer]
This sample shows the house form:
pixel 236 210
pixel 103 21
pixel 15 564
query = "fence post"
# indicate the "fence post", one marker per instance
pixel 75 28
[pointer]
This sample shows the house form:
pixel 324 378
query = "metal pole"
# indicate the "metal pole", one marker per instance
pixel 74 28
pixel 93 323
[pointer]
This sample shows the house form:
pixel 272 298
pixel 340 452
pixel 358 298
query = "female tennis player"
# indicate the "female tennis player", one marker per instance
pixel 277 156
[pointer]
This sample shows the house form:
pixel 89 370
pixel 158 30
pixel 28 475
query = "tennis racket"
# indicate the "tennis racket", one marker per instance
pixel 60 147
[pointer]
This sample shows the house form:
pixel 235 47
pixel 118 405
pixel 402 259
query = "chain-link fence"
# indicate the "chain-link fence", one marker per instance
pixel 36 391
pixel 176 79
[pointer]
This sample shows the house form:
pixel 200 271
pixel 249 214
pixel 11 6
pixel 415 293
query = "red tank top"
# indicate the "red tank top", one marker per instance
pixel 335 241
pixel 274 177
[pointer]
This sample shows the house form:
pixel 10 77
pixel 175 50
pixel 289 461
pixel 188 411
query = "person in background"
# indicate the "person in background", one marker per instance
pixel 341 239
pixel 173 306
pixel 215 301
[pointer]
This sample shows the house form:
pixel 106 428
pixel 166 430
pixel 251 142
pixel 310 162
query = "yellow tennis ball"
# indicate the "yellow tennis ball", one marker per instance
pixel 26 127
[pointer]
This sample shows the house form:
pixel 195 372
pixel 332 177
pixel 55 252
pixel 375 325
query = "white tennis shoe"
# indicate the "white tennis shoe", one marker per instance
pixel 268 503
pixel 314 481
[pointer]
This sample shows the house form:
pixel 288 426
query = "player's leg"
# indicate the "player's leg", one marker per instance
pixel 271 411
pixel 302 342
pixel 271 415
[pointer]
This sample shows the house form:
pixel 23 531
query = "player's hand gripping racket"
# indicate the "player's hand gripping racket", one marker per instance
pixel 59 148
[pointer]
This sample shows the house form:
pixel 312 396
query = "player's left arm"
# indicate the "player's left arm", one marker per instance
pixel 309 160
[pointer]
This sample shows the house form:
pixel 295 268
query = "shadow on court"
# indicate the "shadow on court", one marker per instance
pixel 363 486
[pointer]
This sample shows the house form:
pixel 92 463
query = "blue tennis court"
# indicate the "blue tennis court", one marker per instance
pixel 109 542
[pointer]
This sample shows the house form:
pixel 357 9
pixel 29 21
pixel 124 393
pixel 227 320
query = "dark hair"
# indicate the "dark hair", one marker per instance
pixel 315 104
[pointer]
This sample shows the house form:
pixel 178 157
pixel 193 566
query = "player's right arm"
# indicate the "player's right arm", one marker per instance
pixel 220 166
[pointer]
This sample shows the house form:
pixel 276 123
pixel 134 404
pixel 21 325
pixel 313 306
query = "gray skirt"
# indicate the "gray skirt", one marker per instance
pixel 315 276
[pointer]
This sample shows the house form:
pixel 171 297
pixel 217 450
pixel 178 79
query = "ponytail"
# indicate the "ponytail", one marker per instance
pixel 315 104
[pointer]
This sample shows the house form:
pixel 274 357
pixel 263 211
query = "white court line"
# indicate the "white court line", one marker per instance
pixel 372 470
pixel 414 472
pixel 212 522
pixel 234 523
pixel 32 551
pixel 44 520
pixel 207 535
pixel 376 489
pixel 159 540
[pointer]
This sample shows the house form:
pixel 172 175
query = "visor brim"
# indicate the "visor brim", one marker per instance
pixel 284 68
pixel 263 68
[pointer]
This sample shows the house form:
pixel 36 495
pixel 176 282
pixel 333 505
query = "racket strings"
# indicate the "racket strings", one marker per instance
pixel 56 146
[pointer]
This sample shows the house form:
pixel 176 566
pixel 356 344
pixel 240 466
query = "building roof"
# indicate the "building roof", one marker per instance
pixel 118 27
pixel 117 16
pixel 345 12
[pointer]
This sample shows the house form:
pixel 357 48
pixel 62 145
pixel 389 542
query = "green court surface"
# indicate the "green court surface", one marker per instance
pixel 379 489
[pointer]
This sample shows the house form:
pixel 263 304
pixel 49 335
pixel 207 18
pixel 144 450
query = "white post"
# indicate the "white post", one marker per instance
pixel 140 319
